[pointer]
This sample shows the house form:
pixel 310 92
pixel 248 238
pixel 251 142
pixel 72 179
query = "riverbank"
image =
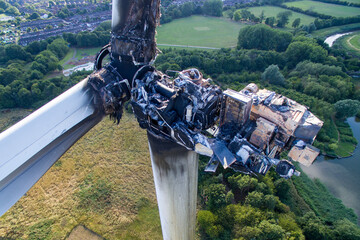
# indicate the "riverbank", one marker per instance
pixel 350 43
pixel 330 40
pixel 326 32
pixel 341 176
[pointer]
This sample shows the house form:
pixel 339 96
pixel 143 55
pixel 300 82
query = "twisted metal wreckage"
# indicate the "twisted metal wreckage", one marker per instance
pixel 244 130
pixel 185 115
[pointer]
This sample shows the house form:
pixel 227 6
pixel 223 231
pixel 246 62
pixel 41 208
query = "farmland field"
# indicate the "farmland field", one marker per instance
pixel 199 31
pixel 270 11
pixel 325 8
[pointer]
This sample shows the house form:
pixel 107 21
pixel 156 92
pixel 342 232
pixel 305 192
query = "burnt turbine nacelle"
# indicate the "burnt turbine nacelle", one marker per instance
pixel 186 109
pixel 178 109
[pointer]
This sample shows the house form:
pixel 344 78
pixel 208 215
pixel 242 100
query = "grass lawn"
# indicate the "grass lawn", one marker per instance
pixel 270 11
pixel 325 8
pixel 323 33
pixel 110 159
pixel 11 116
pixel 200 31
pixel 351 43
pixel 354 40
pixel 84 52
pixel 345 149
pixel 79 54
pixel 67 57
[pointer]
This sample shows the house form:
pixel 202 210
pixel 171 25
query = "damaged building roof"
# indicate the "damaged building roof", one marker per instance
pixel 286 113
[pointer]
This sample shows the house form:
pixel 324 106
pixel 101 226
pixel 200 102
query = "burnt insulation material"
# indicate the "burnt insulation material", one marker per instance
pixel 133 31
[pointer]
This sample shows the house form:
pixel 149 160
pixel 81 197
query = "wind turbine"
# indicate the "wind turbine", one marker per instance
pixel 29 148
pixel 178 114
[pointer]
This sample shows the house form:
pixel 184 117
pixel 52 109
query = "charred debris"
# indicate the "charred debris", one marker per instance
pixel 245 130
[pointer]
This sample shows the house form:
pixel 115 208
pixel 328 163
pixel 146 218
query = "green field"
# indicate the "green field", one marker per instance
pixel 199 31
pixel 354 41
pixel 68 56
pixel 351 43
pixel 84 52
pixel 76 54
pixel 270 11
pixel 325 8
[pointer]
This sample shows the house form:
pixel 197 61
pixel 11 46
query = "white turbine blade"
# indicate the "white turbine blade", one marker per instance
pixel 30 147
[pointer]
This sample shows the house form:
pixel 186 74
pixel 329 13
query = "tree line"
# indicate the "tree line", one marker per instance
pixel 6 7
pixel 296 66
pixel 170 11
pixel 323 20
pixel 238 206
pixel 339 2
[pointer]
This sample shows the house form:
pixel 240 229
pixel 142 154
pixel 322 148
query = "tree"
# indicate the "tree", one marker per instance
pixel 24 98
pixel 207 223
pixel 8 75
pixel 215 196
pixel 283 18
pixel 244 183
pixel 270 21
pixel 13 51
pixel 262 16
pixel 347 108
pixel 59 47
pixel 70 38
pixel 301 50
pixel 344 229
pixel 312 27
pixel 34 16
pixel 237 15
pixel 13 11
pixel 273 75
pixel 255 199
pixel 35 74
pixel 213 8
pixel 282 188
pixel 312 227
pixel 296 23
pixel 270 231
pixel 246 14
pixel 264 38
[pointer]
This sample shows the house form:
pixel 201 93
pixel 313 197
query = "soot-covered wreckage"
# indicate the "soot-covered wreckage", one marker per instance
pixel 245 130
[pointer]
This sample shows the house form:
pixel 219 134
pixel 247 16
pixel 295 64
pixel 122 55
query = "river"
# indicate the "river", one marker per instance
pixel 331 39
pixel 341 176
